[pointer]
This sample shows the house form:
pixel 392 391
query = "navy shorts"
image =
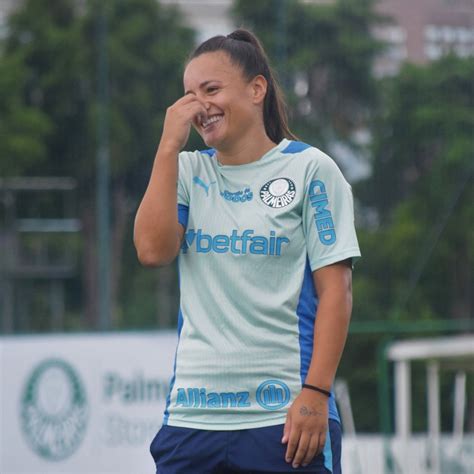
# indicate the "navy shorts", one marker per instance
pixel 259 450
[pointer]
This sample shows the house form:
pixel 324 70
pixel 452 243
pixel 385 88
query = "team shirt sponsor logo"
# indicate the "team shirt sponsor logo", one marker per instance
pixel 199 182
pixel 273 394
pixel 241 244
pixel 239 196
pixel 199 398
pixel 322 216
pixel 270 395
pixel 278 192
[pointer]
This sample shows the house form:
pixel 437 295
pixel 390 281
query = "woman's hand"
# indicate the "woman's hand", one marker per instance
pixel 306 427
pixel 178 120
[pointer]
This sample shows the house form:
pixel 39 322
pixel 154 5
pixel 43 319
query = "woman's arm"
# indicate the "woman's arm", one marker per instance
pixel 307 420
pixel 334 289
pixel 157 233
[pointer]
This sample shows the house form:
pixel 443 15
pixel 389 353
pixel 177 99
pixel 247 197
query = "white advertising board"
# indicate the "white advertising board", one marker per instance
pixel 87 403
pixel 92 403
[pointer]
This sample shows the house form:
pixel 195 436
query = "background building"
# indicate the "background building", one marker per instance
pixel 424 30
pixel 420 30
pixel 5 7
pixel 207 17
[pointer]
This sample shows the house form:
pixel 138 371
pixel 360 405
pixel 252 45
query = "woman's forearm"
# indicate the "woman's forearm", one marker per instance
pixel 156 230
pixel 331 328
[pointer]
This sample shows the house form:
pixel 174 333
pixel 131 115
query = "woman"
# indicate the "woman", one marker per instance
pixel 264 224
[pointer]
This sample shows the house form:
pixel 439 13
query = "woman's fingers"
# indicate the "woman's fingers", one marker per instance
pixel 201 114
pixel 293 440
pixel 286 429
pixel 303 444
pixel 187 108
pixel 313 448
pixel 322 442
pixel 179 117
pixel 190 101
pixel 186 99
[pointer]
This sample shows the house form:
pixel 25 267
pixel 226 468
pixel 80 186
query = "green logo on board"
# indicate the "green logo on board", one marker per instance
pixel 54 410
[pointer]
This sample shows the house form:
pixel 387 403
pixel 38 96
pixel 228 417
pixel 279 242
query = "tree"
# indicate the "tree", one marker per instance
pixel 23 128
pixel 54 44
pixel 147 46
pixel 44 38
pixel 324 54
pixel 421 188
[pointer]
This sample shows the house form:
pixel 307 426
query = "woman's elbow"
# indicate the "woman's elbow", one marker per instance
pixel 154 256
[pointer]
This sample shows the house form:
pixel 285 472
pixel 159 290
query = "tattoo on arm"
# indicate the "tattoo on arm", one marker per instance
pixel 305 411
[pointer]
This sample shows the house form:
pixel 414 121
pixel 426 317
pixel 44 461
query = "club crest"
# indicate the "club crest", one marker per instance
pixel 278 192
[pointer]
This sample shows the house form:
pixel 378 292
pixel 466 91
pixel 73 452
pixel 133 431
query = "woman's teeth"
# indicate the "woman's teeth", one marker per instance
pixel 210 120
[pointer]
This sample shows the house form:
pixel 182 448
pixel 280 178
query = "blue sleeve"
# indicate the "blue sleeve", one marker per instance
pixel 183 213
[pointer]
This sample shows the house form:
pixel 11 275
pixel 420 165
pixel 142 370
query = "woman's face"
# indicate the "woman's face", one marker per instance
pixel 233 104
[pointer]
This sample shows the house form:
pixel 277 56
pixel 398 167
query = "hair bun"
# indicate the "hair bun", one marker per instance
pixel 243 35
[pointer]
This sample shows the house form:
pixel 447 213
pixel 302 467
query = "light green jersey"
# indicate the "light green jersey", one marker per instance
pixel 254 234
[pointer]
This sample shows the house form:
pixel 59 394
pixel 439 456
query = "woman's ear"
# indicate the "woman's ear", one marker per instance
pixel 259 87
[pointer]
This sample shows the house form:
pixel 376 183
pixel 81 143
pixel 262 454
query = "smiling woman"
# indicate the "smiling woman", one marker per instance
pixel 238 88
pixel 263 225
pixel 233 106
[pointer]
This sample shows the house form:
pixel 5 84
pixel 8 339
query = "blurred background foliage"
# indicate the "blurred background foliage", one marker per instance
pixel 415 216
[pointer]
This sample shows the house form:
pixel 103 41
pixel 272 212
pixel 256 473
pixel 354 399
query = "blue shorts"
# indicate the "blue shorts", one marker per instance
pixel 259 450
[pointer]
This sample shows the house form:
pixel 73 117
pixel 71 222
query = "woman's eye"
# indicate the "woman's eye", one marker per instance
pixel 210 90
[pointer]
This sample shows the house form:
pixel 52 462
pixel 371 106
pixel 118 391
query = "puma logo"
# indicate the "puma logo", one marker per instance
pixel 197 180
